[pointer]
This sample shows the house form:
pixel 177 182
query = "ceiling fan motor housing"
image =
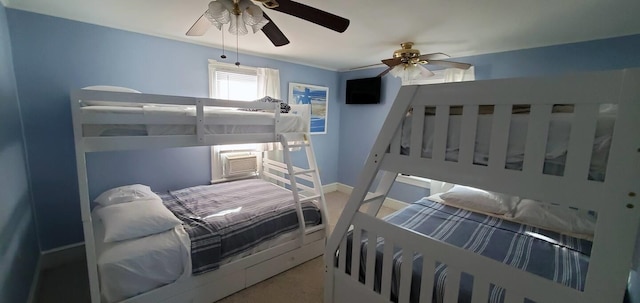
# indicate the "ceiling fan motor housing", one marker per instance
pixel 407 53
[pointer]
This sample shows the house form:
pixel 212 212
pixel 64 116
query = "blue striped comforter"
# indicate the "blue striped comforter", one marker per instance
pixel 551 255
pixel 226 219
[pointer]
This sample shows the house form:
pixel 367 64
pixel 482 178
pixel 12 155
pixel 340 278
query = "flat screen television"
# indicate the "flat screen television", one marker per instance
pixel 364 91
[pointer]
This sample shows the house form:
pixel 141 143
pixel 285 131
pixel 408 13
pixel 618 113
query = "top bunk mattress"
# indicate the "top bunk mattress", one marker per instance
pixel 240 121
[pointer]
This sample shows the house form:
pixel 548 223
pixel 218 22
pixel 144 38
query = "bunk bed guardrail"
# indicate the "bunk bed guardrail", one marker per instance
pixel 615 198
pixel 199 120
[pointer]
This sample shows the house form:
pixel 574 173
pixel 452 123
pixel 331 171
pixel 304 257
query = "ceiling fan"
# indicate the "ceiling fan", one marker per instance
pixel 408 58
pixel 259 20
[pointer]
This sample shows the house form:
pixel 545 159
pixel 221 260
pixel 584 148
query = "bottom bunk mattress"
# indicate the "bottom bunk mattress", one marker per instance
pixel 551 255
pixel 222 223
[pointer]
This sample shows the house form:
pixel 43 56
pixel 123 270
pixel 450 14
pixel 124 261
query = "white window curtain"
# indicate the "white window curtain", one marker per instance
pixel 268 82
pixel 459 75
pixel 269 85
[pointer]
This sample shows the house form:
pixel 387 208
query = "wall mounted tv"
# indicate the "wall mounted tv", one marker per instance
pixel 364 91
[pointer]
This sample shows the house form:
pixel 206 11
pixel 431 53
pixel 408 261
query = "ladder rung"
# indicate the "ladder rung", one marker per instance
pixel 305 199
pixel 305 171
pixel 373 198
pixel 312 229
pixel 297 145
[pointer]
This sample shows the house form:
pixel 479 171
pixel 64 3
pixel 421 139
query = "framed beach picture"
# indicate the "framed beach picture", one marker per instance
pixel 318 98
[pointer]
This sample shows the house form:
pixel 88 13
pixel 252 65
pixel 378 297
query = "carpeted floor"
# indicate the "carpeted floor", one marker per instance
pixel 304 283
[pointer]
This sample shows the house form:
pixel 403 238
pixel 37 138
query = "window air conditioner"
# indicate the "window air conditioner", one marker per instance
pixel 239 164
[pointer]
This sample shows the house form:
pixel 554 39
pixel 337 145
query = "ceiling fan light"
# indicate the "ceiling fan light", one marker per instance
pixel 252 15
pixel 424 72
pixel 259 26
pixel 412 72
pixel 237 26
pixel 218 14
pixel 397 70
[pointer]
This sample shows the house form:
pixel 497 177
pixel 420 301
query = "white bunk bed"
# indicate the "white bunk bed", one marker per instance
pixel 107 121
pixel 351 276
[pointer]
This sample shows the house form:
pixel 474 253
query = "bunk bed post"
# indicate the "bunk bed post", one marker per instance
pixel 616 230
pixel 85 207
pixel 389 129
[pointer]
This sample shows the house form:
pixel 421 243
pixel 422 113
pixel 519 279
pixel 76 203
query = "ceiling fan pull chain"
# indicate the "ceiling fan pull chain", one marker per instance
pixel 223 56
pixel 237 61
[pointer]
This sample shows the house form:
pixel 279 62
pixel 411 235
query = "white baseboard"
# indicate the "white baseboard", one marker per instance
pixel 61 255
pixel 388 202
pixel 35 283
pixel 327 188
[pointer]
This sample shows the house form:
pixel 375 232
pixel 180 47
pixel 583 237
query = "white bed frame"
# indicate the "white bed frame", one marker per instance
pixel 237 275
pixel 616 199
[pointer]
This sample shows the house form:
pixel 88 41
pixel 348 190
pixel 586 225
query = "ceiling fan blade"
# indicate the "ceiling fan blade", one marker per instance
pixel 450 64
pixel 200 27
pixel 429 56
pixel 385 72
pixel 313 15
pixel 392 62
pixel 274 33
pixel 365 66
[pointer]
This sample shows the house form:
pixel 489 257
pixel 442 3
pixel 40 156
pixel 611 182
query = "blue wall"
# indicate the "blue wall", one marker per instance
pixel 53 56
pixel 360 123
pixel 19 251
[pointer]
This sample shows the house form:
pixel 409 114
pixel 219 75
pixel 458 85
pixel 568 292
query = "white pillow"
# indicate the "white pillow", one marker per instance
pixel 136 219
pixel 478 199
pixel 557 218
pixel 125 194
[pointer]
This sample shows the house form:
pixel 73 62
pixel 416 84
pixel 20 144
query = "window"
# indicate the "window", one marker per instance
pixel 230 82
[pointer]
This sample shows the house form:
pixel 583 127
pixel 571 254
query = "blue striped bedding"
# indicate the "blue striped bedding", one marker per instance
pixel 521 246
pixel 226 219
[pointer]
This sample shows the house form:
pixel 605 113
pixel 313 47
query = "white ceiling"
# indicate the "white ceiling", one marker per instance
pixel 457 27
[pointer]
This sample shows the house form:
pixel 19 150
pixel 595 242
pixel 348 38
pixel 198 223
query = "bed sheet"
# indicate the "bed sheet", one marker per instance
pixel 559 258
pixel 557 143
pixel 128 268
pixel 226 219
pixel 288 122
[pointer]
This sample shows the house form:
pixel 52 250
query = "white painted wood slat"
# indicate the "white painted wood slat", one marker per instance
pixel 342 256
pixel 452 284
pixel 468 134
pixel 355 252
pixel 441 130
pixel 417 130
pixel 406 272
pixel 387 267
pixel 480 292
pixel 581 139
pixel 537 133
pixel 426 282
pixel 501 122
pixel 372 238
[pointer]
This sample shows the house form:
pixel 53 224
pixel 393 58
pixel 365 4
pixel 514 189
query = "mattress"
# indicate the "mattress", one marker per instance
pixel 288 122
pixel 246 217
pixel 556 257
pixel 557 142
pixel 128 268
pixel 229 218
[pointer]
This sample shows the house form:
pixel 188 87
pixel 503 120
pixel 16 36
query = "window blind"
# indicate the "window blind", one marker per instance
pixel 235 84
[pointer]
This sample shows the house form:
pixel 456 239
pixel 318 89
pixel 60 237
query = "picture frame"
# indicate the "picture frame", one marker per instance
pixel 318 97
